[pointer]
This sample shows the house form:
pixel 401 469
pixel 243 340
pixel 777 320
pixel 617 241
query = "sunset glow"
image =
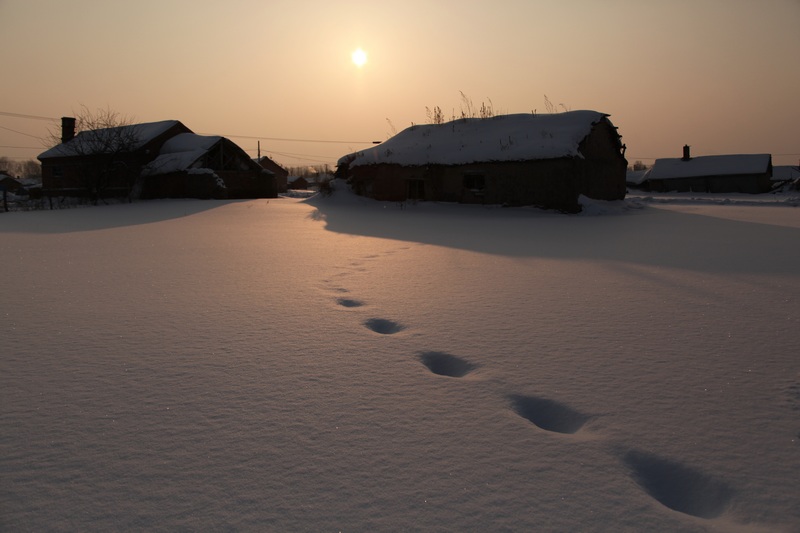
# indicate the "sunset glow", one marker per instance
pixel 667 73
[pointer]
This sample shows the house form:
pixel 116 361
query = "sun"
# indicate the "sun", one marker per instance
pixel 359 58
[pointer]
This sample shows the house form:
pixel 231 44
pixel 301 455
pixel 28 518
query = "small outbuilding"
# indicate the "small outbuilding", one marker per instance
pixel 281 174
pixel 204 166
pixel 10 184
pixel 744 173
pixel 298 183
pixel 783 175
pixel 521 159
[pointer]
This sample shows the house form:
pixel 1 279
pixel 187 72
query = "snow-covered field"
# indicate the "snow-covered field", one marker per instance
pixel 337 364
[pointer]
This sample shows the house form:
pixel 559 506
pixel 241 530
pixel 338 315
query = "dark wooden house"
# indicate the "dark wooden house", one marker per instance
pixel 104 162
pixel 745 173
pixel 522 159
pixel 128 161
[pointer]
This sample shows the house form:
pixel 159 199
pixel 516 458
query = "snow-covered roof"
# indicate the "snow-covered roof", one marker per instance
pixel 94 140
pixel 636 176
pixel 517 137
pixel 709 165
pixel 180 152
pixel 785 173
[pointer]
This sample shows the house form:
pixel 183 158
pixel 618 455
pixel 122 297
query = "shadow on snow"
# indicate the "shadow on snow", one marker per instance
pixel 628 233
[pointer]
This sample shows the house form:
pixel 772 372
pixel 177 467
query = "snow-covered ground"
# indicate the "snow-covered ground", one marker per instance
pixel 338 364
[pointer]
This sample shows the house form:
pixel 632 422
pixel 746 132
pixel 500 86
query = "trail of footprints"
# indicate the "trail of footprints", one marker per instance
pixel 675 485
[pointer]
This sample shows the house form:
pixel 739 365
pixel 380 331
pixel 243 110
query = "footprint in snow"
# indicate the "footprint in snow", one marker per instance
pixel 329 284
pixel 548 414
pixel 349 302
pixel 383 326
pixel 444 364
pixel 678 486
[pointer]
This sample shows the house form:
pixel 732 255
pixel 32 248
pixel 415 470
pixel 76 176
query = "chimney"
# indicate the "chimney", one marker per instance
pixel 686 155
pixel 67 128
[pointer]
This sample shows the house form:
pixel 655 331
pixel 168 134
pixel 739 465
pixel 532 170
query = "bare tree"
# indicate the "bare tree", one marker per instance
pixel 21 169
pixel 8 165
pixel 29 169
pixel 104 143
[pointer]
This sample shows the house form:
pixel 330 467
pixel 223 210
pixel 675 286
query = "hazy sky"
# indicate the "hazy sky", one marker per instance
pixel 720 75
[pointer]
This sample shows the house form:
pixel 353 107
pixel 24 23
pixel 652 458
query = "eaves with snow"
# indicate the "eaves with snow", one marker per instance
pixel 503 138
pixel 134 137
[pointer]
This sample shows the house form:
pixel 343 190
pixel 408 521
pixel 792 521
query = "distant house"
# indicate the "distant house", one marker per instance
pixel 746 173
pixel 785 174
pixel 634 178
pixel 10 184
pixel 521 159
pixel 281 174
pixel 298 183
pixel 121 162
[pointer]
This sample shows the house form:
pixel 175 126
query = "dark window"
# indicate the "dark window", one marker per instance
pixel 474 182
pixel 416 190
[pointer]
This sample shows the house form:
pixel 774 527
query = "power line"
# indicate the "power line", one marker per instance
pixel 20 157
pixel 301 157
pixel 288 140
pixel 324 141
pixel 39 117
pixel 21 133
pixel 286 153
pixel 21 115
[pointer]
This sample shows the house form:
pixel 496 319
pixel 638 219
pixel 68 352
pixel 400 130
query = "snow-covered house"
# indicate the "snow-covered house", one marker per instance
pixel 120 162
pixel 785 174
pixel 10 184
pixel 102 162
pixel 746 173
pixel 298 183
pixel 520 159
pixel 204 166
